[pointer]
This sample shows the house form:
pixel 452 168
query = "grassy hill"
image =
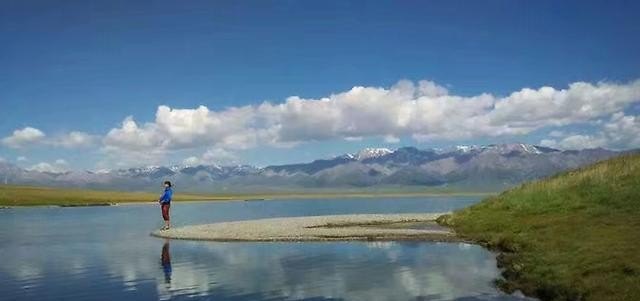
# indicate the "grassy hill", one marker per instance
pixel 574 236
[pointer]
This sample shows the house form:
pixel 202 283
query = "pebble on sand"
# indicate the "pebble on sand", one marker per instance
pixel 317 228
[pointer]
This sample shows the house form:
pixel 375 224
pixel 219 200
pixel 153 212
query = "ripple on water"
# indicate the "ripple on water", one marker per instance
pixel 105 253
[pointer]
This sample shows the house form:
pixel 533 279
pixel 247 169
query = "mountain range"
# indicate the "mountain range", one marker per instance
pixel 477 168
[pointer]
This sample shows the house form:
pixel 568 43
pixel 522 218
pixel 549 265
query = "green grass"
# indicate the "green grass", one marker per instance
pixel 574 236
pixel 35 196
pixel 11 195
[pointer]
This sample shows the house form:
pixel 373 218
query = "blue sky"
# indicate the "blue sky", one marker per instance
pixel 84 66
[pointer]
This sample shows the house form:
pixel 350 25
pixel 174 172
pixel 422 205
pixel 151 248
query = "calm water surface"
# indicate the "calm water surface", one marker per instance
pixel 106 253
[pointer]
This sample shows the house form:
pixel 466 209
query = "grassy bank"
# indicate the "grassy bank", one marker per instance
pixel 37 196
pixel 574 236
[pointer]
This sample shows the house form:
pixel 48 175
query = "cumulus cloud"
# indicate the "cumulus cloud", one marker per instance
pixel 29 136
pixel 174 129
pixel 577 141
pixel 620 132
pixel 61 162
pixel 391 139
pixel 623 131
pixel 121 158
pixel 218 155
pixel 422 110
pixel 556 134
pixel 191 161
pixel 23 137
pixel 74 139
pixel 529 108
pixel 212 156
pixel 58 166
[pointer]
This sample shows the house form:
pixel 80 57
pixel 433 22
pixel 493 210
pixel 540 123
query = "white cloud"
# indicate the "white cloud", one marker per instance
pixel 191 161
pixel 391 139
pixel 46 167
pixel 575 142
pixel 581 102
pixel 132 144
pixel 623 131
pixel 74 139
pixel 218 156
pixel 23 137
pixel 213 156
pixel 22 159
pixel 556 134
pixel 120 158
pixel 620 132
pixel 423 110
pixel 42 167
pixel 30 136
pixel 132 137
pixel 59 166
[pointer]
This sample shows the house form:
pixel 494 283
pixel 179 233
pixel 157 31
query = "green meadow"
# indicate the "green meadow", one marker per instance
pixel 573 236
pixel 11 195
pixel 38 196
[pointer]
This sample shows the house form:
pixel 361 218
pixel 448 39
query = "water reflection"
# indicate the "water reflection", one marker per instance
pixel 165 261
pixel 329 271
pixel 111 256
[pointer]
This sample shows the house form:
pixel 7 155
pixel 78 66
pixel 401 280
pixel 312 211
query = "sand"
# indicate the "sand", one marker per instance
pixel 319 228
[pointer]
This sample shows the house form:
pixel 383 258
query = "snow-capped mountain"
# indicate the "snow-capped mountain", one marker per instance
pixel 501 148
pixel 371 153
pixel 466 148
pixel 488 167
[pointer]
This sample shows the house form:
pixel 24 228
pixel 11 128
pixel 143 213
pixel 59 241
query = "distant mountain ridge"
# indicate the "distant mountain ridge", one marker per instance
pixel 474 167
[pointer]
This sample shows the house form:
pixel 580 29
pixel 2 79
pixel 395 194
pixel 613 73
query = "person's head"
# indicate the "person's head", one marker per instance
pixel 167 184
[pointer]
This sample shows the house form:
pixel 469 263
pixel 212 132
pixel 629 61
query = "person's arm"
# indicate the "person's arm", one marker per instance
pixel 162 197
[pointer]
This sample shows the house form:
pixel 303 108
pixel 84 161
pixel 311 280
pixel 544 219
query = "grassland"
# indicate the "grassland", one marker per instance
pixel 574 236
pixel 36 196
pixel 11 195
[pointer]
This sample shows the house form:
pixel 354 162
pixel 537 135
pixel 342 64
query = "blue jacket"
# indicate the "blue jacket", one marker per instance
pixel 165 198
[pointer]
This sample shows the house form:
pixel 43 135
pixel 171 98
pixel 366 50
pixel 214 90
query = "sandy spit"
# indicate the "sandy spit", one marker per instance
pixel 316 228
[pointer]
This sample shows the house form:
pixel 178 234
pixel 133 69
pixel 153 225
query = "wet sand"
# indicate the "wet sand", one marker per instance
pixel 319 228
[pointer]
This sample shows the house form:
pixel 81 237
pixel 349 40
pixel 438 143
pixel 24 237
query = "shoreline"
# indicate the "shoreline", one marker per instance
pixel 348 227
pixel 83 198
pixel 545 231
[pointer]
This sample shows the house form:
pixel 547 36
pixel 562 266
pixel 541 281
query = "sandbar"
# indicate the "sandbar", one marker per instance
pixel 375 227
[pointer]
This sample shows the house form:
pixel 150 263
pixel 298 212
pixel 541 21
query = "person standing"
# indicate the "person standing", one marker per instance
pixel 165 204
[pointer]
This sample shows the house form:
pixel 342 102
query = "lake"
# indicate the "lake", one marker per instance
pixel 106 253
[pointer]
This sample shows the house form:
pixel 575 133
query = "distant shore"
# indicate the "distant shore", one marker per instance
pixel 18 196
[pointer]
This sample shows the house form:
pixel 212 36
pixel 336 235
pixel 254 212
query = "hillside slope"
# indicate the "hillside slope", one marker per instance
pixel 574 236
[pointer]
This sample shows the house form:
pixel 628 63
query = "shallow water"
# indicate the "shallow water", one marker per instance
pixel 106 253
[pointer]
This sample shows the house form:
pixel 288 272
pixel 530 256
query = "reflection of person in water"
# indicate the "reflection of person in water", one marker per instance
pixel 165 260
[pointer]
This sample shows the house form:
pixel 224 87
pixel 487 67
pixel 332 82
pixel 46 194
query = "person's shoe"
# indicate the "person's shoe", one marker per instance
pixel 164 228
